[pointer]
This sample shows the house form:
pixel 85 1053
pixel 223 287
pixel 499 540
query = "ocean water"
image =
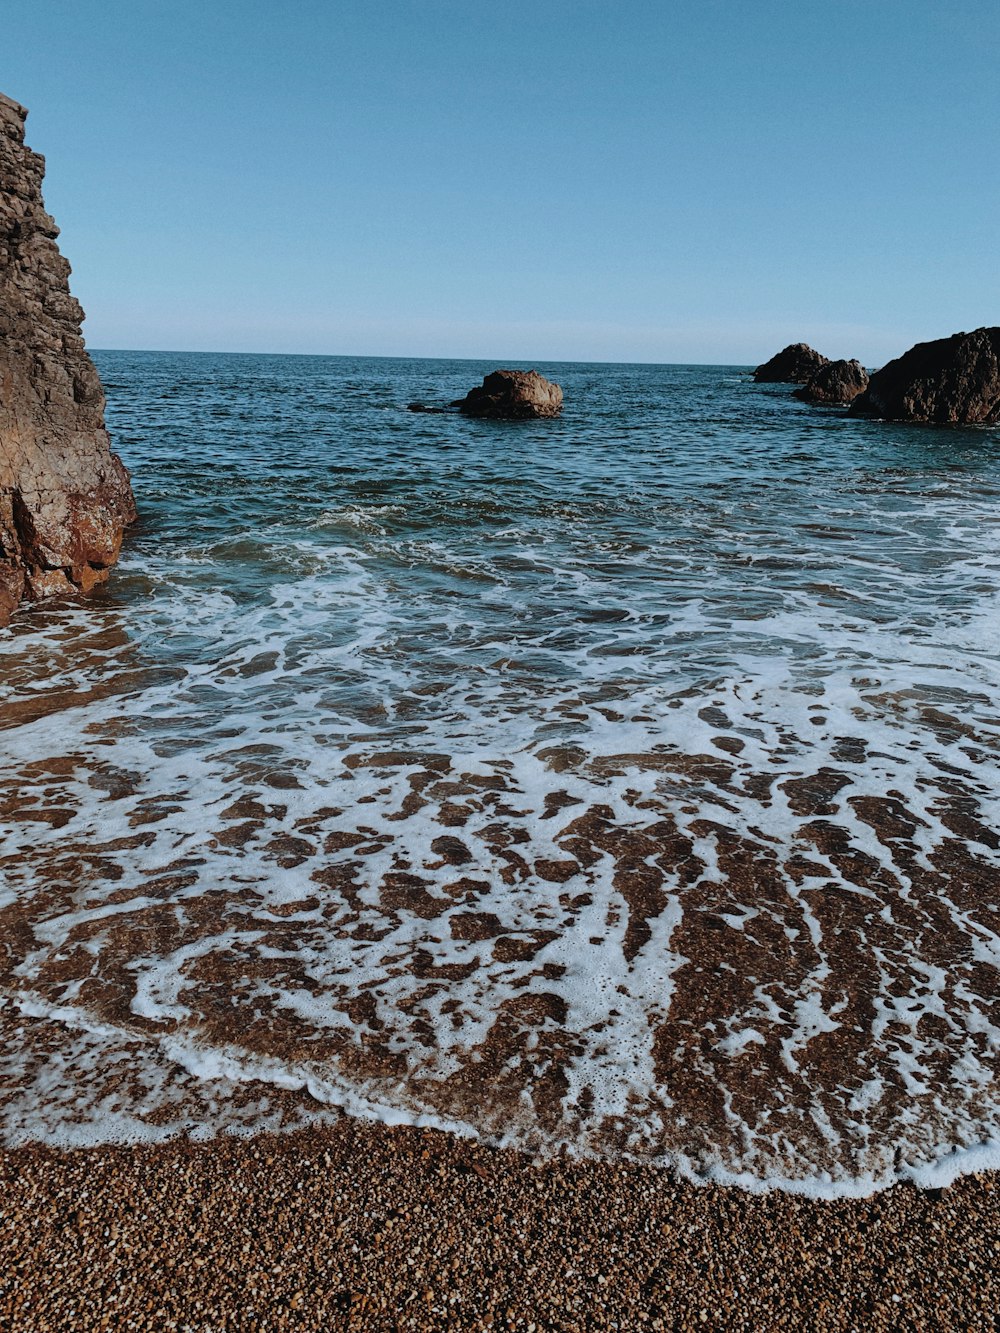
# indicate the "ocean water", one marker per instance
pixel 626 784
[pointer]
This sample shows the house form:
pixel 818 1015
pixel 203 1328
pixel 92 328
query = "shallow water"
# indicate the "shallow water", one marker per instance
pixel 627 782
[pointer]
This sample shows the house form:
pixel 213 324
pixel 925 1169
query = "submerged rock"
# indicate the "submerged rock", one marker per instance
pixel 952 380
pixel 424 407
pixel 837 384
pixel 794 364
pixel 512 394
pixel 65 498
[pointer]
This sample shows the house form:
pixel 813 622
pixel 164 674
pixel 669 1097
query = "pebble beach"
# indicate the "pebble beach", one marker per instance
pixel 596 806
pixel 499 669
pixel 366 1227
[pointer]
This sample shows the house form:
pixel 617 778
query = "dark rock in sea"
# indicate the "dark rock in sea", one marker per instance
pixel 795 364
pixel 837 384
pixel 424 407
pixel 952 380
pixel 65 498
pixel 512 394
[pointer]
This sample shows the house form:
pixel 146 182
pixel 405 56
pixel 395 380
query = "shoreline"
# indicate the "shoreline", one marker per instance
pixel 200 1107
pixel 365 1226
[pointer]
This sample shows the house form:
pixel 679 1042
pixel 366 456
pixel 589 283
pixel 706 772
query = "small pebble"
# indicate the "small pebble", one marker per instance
pixel 366 1227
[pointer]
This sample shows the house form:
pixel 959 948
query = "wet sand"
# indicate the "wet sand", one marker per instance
pixel 361 1226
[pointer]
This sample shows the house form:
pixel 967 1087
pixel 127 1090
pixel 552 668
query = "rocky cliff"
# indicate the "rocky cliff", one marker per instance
pixel 65 498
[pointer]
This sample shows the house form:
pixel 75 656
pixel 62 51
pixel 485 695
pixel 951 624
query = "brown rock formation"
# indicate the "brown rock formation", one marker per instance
pixel 952 380
pixel 794 364
pixel 512 394
pixel 836 384
pixel 65 497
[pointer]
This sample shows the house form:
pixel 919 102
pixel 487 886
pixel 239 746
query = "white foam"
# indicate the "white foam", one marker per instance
pixel 516 663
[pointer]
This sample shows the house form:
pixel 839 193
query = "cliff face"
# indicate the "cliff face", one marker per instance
pixel 65 498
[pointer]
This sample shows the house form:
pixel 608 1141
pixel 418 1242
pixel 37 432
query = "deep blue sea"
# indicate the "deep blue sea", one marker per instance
pixel 627 783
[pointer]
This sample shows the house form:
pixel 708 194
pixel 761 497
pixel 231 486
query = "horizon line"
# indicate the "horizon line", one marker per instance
pixel 385 356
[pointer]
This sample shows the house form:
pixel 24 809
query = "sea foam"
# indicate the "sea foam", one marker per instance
pixel 627 787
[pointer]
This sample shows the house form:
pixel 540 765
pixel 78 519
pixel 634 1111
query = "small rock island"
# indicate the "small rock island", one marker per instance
pixel 795 364
pixel 65 498
pixel 950 381
pixel 512 395
pixel 835 384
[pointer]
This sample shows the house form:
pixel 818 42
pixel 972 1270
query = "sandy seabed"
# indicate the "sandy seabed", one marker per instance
pixel 363 1226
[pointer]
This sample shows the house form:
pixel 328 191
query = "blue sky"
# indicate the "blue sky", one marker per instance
pixel 697 181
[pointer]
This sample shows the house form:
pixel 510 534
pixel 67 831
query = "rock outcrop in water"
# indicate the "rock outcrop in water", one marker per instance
pixel 513 395
pixel 65 498
pixel 952 381
pixel 794 364
pixel 835 384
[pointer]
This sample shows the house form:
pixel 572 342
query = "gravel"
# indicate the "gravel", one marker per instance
pixel 361 1226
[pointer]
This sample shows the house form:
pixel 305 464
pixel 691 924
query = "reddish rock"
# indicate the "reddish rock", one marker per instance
pixel 952 381
pixel 795 364
pixel 836 384
pixel 512 394
pixel 65 498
